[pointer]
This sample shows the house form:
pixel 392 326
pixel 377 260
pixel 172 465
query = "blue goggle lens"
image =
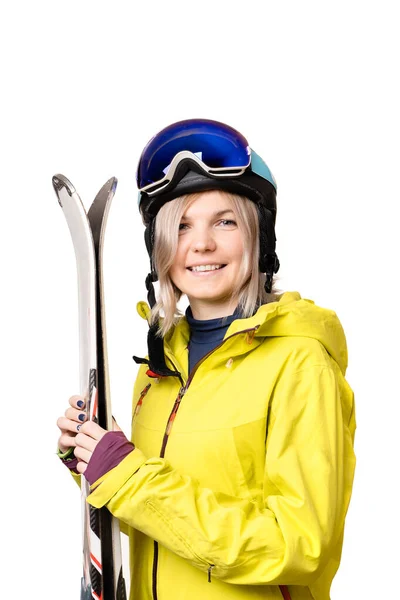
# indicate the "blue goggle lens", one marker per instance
pixel 215 144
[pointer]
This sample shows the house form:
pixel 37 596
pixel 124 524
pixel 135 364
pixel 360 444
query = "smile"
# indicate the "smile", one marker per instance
pixel 203 268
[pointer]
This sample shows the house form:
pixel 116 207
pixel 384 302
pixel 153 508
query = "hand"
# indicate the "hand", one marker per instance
pixel 85 443
pixel 72 421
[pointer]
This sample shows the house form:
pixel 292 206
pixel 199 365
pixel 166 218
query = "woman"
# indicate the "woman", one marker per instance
pixel 241 463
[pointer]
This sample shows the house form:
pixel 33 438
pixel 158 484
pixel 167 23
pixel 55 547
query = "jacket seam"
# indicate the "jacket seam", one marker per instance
pixel 185 543
pixel 178 535
pixel 251 495
pixel 324 366
pixel 227 428
pixel 138 422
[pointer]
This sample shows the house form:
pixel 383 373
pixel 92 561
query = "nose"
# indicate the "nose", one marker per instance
pixel 203 240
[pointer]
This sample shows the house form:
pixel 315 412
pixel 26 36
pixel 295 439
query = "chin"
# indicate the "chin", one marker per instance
pixel 209 296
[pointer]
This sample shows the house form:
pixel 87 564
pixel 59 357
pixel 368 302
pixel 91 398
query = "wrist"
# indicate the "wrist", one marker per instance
pixel 109 452
pixel 67 454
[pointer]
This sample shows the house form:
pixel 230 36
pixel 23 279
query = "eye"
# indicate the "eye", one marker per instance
pixel 228 222
pixel 182 226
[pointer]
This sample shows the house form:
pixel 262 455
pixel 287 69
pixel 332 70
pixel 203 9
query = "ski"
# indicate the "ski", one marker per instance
pixel 102 577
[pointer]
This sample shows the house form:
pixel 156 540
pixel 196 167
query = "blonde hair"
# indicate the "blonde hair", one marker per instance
pixel 251 292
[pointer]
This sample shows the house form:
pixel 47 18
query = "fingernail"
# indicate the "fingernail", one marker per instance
pixel 81 417
pixel 78 427
pixel 80 403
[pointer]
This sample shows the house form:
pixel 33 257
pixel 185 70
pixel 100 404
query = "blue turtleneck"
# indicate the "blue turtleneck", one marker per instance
pixel 206 335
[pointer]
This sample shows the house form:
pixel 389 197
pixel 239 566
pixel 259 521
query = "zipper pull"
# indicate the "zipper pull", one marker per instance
pixel 140 401
pixel 250 336
pixel 209 572
pixel 175 410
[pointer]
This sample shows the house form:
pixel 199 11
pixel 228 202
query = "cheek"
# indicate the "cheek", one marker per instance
pixel 236 247
pixel 179 258
pixel 178 263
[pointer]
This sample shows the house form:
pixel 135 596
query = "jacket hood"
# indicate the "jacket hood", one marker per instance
pixel 290 315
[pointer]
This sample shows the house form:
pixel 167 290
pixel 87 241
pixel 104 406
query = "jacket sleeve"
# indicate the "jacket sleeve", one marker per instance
pixel 307 484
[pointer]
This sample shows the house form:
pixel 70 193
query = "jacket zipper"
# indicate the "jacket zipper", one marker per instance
pixel 171 419
pixel 285 592
pixel 209 572
pixel 175 408
pixel 184 388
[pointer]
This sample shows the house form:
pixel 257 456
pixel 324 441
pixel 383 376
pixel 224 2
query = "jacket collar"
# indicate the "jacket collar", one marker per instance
pixel 290 315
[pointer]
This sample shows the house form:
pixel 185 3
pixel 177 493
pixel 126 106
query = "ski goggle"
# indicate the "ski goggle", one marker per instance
pixel 219 150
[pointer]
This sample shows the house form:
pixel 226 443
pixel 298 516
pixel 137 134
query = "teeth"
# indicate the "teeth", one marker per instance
pixel 206 268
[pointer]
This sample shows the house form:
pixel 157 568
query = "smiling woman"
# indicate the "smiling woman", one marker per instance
pixel 240 463
pixel 208 228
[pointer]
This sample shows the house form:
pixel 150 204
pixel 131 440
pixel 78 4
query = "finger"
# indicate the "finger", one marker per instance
pixel 93 430
pixel 77 402
pixel 66 441
pixel 81 467
pixel 75 415
pixel 86 442
pixel 82 454
pixel 67 425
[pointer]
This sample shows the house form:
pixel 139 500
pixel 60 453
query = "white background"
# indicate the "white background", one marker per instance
pixel 314 87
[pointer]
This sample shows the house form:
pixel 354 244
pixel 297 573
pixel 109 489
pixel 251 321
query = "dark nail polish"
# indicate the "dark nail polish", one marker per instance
pixel 81 417
pixel 78 427
pixel 80 403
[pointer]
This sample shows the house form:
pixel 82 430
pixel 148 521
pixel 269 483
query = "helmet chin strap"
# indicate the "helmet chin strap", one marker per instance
pixel 151 295
pixel 155 343
pixel 271 268
pixel 149 235
pixel 268 262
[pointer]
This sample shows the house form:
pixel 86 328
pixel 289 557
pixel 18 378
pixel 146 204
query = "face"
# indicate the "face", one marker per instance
pixel 207 263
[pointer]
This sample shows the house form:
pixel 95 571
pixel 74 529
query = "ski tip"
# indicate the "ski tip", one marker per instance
pixel 111 185
pixel 59 182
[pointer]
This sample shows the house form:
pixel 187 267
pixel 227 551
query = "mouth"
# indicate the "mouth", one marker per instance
pixel 206 268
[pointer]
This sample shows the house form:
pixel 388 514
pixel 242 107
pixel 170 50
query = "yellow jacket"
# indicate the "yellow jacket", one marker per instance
pixel 249 500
